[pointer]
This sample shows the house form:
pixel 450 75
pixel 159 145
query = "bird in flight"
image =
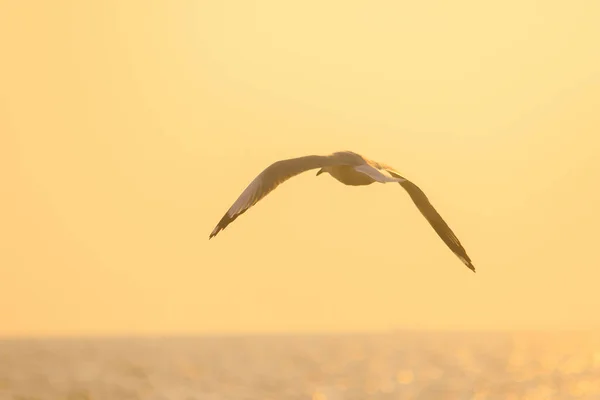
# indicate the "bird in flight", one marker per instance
pixel 350 169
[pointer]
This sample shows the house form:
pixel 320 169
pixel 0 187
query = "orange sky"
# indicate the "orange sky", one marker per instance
pixel 127 129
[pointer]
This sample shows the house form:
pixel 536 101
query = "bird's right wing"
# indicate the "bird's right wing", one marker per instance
pixel 435 220
pixel 269 179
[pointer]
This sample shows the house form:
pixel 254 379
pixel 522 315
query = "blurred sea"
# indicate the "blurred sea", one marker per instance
pixel 404 365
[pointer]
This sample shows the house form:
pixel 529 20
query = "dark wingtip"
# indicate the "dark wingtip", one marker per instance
pixel 467 261
pixel 226 220
pixel 220 226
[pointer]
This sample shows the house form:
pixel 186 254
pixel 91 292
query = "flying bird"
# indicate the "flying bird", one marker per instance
pixel 350 169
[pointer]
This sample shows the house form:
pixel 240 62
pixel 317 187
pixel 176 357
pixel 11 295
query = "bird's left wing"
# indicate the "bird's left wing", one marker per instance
pixel 269 179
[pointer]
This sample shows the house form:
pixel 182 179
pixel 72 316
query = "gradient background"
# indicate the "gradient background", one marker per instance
pixel 127 129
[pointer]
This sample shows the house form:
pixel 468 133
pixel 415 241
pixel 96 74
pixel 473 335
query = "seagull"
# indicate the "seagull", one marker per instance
pixel 351 169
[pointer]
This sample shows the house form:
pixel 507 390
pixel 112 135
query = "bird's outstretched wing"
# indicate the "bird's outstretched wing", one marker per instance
pixel 435 219
pixel 269 179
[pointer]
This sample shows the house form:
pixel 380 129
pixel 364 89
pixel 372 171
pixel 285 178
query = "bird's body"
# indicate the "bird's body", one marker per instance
pixel 349 176
pixel 351 169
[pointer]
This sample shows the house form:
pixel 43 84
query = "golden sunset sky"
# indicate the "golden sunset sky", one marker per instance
pixel 128 128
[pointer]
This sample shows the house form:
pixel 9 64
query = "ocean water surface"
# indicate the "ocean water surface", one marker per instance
pixel 405 365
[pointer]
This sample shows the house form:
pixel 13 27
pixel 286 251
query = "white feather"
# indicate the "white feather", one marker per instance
pixel 376 174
